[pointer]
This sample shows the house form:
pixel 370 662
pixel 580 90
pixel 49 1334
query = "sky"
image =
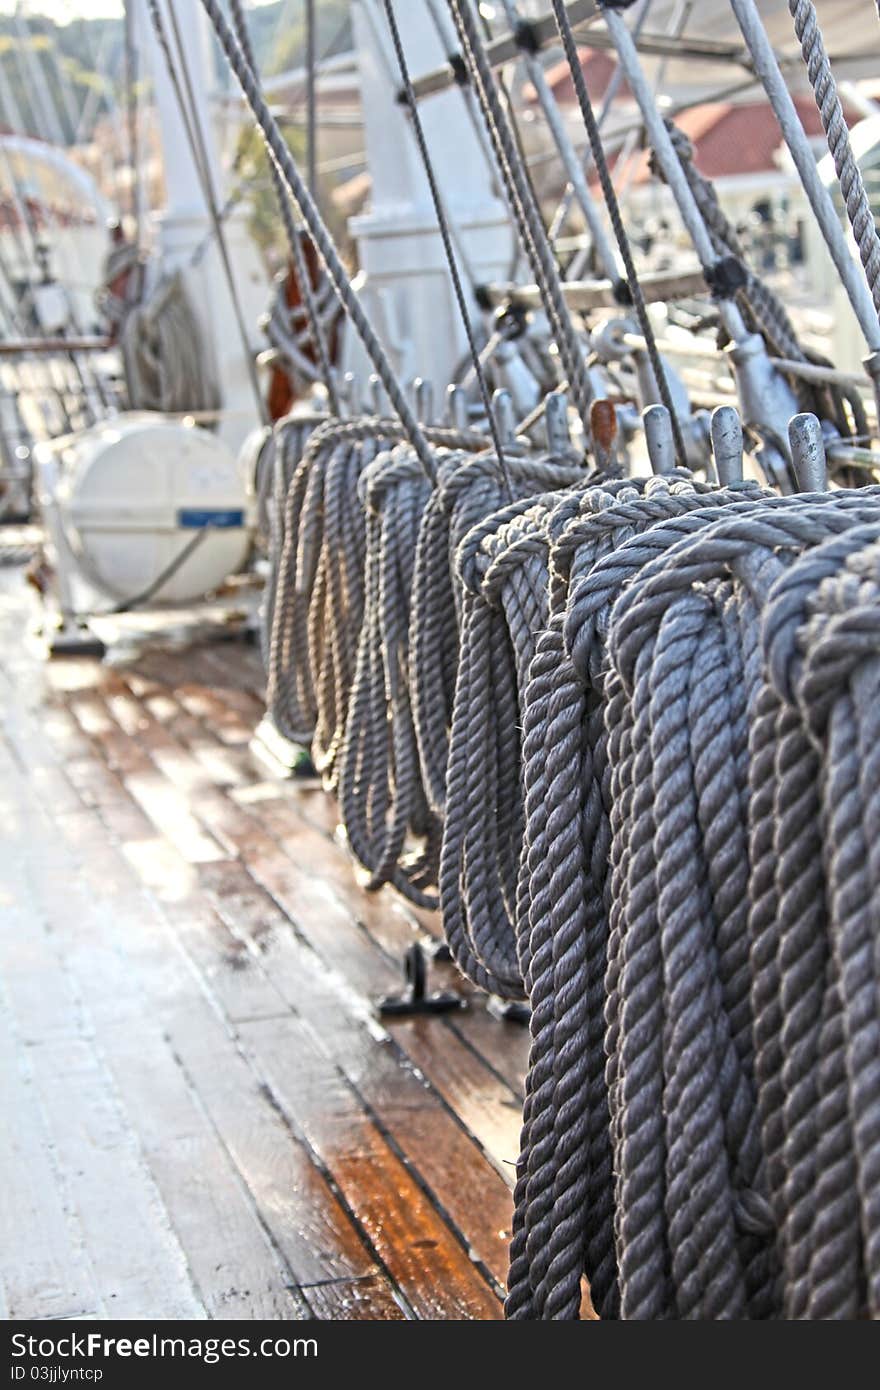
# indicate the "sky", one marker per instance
pixel 63 10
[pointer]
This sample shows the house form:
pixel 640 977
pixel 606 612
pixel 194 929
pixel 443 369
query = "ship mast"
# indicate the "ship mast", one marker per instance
pixel 186 234
pixel 404 279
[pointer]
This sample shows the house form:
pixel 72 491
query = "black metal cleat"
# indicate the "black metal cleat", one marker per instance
pixel 508 1010
pixel 415 999
pixel 436 950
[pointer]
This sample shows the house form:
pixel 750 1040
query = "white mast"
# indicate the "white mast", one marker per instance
pixel 404 282
pixel 185 225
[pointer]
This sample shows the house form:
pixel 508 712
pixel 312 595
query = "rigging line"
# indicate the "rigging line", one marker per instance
pixel 290 229
pixel 199 150
pixel 625 162
pixel 448 248
pixel 320 236
pixel 566 33
pixel 524 208
pixel 830 108
pixel 311 101
pixel 521 32
pixel 133 116
pixel 661 141
pixel 770 75
pixel 454 232
pixel 560 216
pixel 438 19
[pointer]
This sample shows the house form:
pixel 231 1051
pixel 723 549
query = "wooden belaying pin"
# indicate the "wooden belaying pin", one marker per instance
pixel 727 444
pixel 808 453
pixel 556 423
pixel 659 439
pixel 603 431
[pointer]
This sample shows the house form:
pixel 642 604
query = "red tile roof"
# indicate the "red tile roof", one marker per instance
pixel 741 138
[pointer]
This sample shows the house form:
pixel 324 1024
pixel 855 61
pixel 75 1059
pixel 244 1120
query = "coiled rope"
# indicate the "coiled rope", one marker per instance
pixel 709 918
pixel 383 791
pixel 561 921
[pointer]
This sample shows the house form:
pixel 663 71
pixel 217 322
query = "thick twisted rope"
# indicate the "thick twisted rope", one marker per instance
pixel 828 102
pixel 387 803
pixel 784 928
pixel 278 459
pixel 562 923
pixel 702 1263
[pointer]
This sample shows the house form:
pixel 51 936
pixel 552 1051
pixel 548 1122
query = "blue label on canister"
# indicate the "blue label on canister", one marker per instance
pixel 193 518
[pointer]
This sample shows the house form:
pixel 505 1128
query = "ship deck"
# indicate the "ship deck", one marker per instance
pixel 203 1117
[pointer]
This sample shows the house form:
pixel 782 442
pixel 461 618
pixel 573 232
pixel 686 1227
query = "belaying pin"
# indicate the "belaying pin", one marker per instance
pixel 727 444
pixel 424 400
pixel 659 439
pixel 603 432
pixel 808 452
pixel 457 407
pixel 556 424
pixel 503 413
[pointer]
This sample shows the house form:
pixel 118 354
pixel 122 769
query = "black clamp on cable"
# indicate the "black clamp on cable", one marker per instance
pixel 616 4
pixel 622 293
pixel 459 69
pixel 511 321
pixel 483 298
pixel 525 36
pixel 726 277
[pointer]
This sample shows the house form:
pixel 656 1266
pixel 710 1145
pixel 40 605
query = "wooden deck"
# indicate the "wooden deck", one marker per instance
pixel 202 1115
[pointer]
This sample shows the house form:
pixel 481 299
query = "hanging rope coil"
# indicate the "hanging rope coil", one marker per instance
pixel 468 494
pixel 167 365
pixel 380 792
pixel 694 1019
pixel 561 921
pixel 383 795
pixel 503 569
pixel 320 586
pixel 276 464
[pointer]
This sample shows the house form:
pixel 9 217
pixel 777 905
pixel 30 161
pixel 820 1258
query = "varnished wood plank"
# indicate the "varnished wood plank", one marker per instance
pixel 310 1227
pixel 488 1109
pixel 423 1256
pixel 290 1194
pixel 259 940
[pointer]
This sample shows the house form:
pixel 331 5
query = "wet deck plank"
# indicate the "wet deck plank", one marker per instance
pixel 190 970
